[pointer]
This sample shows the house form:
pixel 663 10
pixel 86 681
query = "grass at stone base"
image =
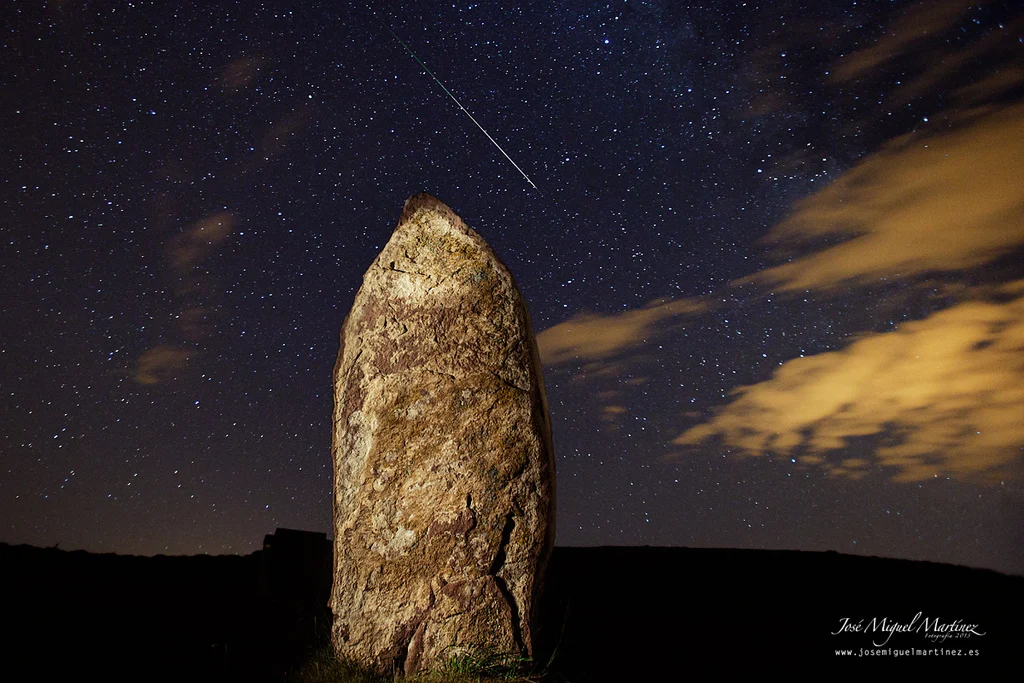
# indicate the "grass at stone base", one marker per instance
pixel 465 667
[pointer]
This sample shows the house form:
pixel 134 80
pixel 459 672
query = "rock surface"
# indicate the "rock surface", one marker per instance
pixel 443 465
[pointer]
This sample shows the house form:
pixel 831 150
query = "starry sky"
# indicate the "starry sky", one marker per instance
pixel 773 260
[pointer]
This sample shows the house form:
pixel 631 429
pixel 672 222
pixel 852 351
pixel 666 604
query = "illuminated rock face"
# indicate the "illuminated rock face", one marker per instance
pixel 444 478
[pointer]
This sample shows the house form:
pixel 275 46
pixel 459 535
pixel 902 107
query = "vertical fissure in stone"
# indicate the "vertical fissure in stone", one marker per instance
pixel 496 566
pixel 410 641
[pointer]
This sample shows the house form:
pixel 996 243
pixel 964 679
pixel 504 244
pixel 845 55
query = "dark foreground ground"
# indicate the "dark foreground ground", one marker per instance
pixel 628 614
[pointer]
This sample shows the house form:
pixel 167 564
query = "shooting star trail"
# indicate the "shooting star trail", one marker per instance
pixel 456 101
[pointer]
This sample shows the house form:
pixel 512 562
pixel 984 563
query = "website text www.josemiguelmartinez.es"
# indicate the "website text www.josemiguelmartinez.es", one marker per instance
pixel 908 652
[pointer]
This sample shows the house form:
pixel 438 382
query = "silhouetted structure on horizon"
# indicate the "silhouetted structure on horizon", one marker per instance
pixel 296 565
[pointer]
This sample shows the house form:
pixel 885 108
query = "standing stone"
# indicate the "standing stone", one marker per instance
pixel 443 467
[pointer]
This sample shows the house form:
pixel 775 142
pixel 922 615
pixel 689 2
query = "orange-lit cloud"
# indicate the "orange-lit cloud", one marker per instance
pixel 945 394
pixel 160 364
pixel 948 202
pixel 192 246
pixel 612 412
pixel 592 337
pixel 185 251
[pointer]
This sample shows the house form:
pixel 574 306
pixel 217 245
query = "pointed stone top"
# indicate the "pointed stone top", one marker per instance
pixel 423 207
pixel 432 252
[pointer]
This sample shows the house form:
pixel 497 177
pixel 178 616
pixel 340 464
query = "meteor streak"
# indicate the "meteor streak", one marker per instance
pixel 454 99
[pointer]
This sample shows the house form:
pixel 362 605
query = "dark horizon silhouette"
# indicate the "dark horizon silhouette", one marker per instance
pixel 609 613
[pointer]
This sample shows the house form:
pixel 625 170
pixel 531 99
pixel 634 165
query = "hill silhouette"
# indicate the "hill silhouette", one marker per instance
pixel 612 613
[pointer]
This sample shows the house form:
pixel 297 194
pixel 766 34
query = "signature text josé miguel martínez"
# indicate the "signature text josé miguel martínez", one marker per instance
pixel 933 629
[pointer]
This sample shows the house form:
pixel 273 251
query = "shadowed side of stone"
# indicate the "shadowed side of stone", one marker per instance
pixel 444 477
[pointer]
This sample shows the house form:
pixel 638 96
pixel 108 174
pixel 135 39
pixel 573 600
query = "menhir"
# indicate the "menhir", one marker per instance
pixel 443 466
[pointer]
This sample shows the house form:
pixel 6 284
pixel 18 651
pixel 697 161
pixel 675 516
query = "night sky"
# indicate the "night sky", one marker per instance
pixel 774 262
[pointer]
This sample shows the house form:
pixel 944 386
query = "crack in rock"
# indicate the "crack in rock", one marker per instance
pixel 496 566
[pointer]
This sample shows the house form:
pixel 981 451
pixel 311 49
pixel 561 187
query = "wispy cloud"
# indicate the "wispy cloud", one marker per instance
pixel 935 55
pixel 948 202
pixel 593 337
pixel 192 246
pixel 941 396
pixel 944 394
pixel 186 251
pixel 917 28
pixel 160 364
